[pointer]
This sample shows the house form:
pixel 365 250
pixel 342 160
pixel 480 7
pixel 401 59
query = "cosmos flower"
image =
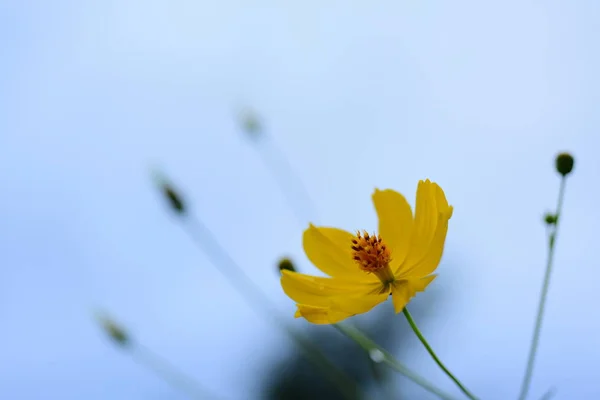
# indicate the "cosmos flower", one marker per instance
pixel 365 269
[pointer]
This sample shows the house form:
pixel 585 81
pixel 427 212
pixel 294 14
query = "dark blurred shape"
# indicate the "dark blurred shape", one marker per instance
pixel 550 219
pixel 286 263
pixel 114 331
pixel 549 394
pixel 174 199
pixel 251 124
pixel 295 378
pixel 170 193
pixel 564 163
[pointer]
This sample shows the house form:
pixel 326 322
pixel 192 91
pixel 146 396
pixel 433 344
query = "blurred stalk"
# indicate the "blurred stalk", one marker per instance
pixel 417 332
pixel 549 394
pixel 289 182
pixel 378 378
pixel 157 364
pixel 380 355
pixel 296 194
pixel 169 373
pixel 564 166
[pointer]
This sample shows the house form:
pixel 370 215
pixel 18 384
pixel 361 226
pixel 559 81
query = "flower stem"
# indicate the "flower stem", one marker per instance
pixel 169 373
pixel 386 358
pixel 121 338
pixel 289 182
pixel 549 394
pixel 544 293
pixel 434 356
pixel 281 169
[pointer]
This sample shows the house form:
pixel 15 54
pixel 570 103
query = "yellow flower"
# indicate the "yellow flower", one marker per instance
pixel 365 269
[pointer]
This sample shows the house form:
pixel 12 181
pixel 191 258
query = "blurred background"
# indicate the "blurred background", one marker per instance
pixel 352 96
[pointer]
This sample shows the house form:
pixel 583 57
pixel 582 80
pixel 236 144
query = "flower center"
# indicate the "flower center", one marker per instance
pixel 372 256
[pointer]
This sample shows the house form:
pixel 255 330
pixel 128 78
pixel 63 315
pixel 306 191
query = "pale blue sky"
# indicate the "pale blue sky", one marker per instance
pixel 478 96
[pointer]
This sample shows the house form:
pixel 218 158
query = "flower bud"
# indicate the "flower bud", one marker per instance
pixel 287 264
pixel 251 124
pixel 550 219
pixel 173 198
pixel 564 163
pixel 114 331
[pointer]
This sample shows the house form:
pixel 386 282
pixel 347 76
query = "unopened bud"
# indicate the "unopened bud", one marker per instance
pixel 114 331
pixel 564 163
pixel 251 124
pixel 550 218
pixel 173 198
pixel 287 264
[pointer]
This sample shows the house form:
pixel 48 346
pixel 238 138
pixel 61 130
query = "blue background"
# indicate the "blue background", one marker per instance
pixel 478 97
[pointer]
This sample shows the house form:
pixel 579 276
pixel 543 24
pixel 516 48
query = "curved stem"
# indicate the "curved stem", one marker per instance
pixel 386 358
pixel 544 293
pixel 434 356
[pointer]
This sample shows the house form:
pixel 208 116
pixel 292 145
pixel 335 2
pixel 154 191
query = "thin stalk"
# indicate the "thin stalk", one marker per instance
pixel 169 373
pixel 434 356
pixel 543 295
pixel 148 359
pixel 549 394
pixel 289 182
pixel 388 359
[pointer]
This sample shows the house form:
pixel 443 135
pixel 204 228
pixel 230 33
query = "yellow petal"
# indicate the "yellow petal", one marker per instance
pixel 431 260
pixel 404 290
pixel 316 291
pixel 433 255
pixel 395 222
pixel 442 204
pixel 425 223
pixel 361 303
pixel 329 249
pixel 320 315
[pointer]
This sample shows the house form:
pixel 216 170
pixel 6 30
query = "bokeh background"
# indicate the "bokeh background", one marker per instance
pixel 478 96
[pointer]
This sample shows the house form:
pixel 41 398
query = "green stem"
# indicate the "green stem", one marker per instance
pixel 434 356
pixel 544 294
pixel 386 358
